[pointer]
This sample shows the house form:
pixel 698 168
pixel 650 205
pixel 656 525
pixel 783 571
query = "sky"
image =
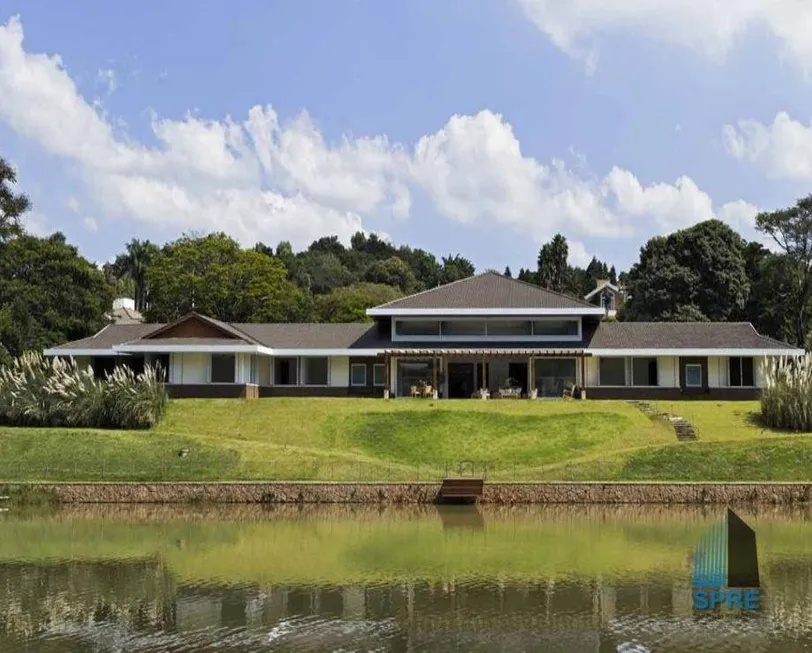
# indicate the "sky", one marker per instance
pixel 480 127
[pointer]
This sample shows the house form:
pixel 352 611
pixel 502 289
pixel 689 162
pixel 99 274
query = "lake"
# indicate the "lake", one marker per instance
pixel 140 579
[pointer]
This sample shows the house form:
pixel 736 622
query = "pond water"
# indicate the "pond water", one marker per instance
pixel 351 578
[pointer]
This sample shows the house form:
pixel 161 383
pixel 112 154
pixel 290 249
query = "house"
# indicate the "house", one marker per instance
pixel 484 332
pixel 608 296
pixel 124 312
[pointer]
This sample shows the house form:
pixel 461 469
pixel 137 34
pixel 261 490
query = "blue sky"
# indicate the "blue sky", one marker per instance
pixel 474 126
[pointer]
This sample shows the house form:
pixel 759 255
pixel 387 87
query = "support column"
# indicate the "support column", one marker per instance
pixel 583 376
pixel 387 362
pixel 531 366
pixel 484 387
pixel 434 377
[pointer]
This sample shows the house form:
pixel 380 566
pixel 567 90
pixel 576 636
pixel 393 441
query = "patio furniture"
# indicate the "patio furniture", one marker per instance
pixel 427 391
pixel 414 391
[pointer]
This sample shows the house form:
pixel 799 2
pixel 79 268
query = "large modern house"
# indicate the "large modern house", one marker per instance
pixel 485 336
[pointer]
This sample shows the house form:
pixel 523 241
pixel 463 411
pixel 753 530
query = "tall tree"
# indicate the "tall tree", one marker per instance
pixel 392 272
pixel 49 294
pixel 507 272
pixel 12 205
pixel 455 268
pixel 214 276
pixel 349 303
pixel 552 264
pixel 697 274
pixel 791 229
pixel 771 292
pixel 135 263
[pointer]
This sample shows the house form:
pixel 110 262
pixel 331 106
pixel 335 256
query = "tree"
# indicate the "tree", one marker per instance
pixel 12 206
pixel 771 292
pixel 135 264
pixel 372 244
pixel 455 268
pixel 349 304
pixel 424 266
pixel 319 272
pixel 696 274
pixel 49 294
pixel 791 229
pixel 552 264
pixel 214 276
pixel 392 272
pixel 507 272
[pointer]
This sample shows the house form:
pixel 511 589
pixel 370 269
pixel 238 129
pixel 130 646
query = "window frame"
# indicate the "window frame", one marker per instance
pixel 701 379
pixel 648 360
pixel 353 384
pixel 375 366
pixel 624 361
pixel 741 383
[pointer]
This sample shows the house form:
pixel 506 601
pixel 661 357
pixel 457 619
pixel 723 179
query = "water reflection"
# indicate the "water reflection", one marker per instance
pixel 149 579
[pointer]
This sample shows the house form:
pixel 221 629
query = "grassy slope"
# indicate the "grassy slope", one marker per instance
pixel 368 439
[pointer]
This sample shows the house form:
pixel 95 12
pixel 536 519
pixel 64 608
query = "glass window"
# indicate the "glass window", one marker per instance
pixel 358 374
pixel 555 327
pixel 693 375
pixel 285 371
pixel 644 371
pixel 554 375
pixel 378 374
pixel 740 370
pixel 510 328
pixel 463 328
pixel 417 328
pixel 612 371
pixel 412 372
pixel 315 371
pixel 253 370
pixel 222 368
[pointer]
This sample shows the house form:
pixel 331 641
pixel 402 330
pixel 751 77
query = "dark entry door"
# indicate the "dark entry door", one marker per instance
pixel 518 372
pixel 461 382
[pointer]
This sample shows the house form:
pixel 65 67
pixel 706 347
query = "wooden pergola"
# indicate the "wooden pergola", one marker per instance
pixel 482 355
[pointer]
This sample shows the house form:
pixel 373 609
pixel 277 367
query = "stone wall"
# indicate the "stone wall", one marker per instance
pixel 414 493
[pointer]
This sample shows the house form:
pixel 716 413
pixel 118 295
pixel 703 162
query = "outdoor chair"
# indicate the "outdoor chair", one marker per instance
pixel 414 391
pixel 427 391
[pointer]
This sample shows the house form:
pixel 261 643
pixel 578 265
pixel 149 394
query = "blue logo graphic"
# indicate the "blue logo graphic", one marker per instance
pixel 726 567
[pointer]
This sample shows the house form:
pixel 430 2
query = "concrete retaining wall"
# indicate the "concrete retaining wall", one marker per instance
pixel 414 493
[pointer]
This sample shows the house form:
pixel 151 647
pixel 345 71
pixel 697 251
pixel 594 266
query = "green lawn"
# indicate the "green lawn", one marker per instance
pixel 370 439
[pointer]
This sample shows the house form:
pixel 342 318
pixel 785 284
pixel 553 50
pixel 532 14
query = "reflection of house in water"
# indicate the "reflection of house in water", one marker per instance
pixel 138 607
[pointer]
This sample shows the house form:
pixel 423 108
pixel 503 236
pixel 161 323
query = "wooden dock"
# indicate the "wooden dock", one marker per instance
pixel 460 490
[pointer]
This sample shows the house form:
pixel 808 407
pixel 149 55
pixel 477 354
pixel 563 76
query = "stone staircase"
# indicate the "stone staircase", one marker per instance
pixel 684 430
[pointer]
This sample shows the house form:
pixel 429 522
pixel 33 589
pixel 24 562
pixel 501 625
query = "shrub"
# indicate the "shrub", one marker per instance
pixel 786 400
pixel 39 391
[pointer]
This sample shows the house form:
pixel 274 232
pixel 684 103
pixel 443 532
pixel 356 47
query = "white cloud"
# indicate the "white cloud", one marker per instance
pixel 36 223
pixel 260 179
pixel 783 148
pixel 90 224
pixel 710 27
pixel 107 77
pixel 578 256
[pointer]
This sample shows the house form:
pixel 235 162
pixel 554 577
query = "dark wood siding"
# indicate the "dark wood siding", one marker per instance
pixel 368 390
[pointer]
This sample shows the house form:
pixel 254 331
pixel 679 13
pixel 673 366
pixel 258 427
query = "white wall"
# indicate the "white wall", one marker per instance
pixel 265 364
pixel 340 371
pixel 668 371
pixel 189 368
pixel 592 367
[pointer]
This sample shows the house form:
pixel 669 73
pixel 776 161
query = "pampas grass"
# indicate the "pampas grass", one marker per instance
pixel 786 400
pixel 40 391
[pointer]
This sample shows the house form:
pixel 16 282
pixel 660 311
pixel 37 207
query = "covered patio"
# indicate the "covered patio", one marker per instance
pixel 484 372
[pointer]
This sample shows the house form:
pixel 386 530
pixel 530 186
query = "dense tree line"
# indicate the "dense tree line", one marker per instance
pixel 49 293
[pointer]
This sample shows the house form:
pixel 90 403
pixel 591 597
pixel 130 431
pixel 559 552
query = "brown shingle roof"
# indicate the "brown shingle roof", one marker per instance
pixel 487 290
pixel 113 334
pixel 681 335
pixel 308 335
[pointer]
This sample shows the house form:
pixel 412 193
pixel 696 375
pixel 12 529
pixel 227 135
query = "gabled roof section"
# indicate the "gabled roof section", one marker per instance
pixel 489 293
pixel 684 335
pixel 606 285
pixel 194 325
pixel 111 335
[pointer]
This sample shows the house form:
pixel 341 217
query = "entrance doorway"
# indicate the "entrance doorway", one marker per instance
pixel 464 379
pixel 518 372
